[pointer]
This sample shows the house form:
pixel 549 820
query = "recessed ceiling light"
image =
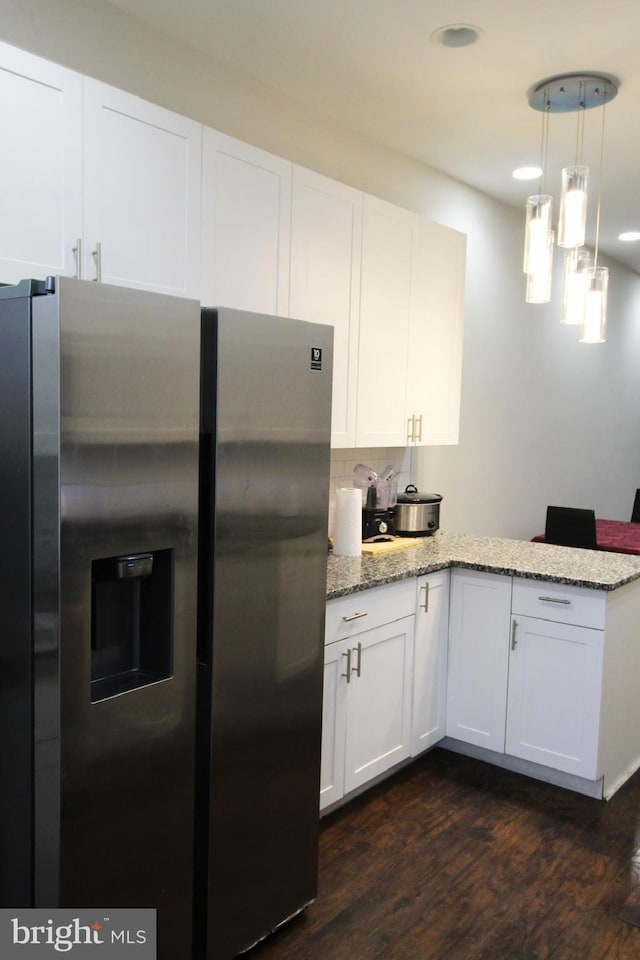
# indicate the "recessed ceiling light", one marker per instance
pixel 527 173
pixel 456 35
pixel 629 236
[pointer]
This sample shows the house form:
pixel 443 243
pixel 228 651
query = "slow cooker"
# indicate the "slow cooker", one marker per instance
pixel 416 514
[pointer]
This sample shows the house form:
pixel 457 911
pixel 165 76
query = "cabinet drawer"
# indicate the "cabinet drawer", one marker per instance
pixel 347 616
pixel 559 602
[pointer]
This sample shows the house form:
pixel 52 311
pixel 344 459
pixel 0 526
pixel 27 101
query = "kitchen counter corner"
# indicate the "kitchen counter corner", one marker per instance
pixel 595 569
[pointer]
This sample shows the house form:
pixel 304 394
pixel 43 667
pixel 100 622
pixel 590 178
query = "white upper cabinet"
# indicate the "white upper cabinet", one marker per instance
pixel 101 184
pixel 40 167
pixel 436 323
pixel 411 329
pixel 385 306
pixel 142 175
pixel 326 232
pixel 245 226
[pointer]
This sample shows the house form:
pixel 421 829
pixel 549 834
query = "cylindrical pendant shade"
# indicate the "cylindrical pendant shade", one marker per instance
pixel 574 287
pixel 539 283
pixel 572 220
pixel 595 313
pixel 539 211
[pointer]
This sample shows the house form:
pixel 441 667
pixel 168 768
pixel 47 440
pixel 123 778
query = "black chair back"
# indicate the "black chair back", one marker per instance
pixel 571 527
pixel 635 513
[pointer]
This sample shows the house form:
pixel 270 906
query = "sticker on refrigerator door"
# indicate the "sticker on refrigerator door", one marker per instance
pixel 316 358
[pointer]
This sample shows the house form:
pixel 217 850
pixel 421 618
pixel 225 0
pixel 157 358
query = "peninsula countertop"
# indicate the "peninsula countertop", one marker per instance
pixel 596 569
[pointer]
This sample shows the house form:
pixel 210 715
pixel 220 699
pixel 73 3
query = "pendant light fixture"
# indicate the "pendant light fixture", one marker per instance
pixel 585 284
pixel 539 279
pixel 538 236
pixel 594 325
pixel 574 285
pixel 572 221
pixel 539 212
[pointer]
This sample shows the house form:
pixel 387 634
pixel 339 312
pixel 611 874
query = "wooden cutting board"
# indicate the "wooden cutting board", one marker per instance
pixel 390 546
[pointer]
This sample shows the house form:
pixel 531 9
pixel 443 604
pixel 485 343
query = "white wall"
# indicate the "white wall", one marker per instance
pixel 544 419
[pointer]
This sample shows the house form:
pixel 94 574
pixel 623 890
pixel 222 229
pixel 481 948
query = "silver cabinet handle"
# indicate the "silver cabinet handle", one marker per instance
pixel 425 606
pixel 514 642
pixel 411 429
pixel 348 673
pixel 418 438
pixel 358 665
pixel 78 252
pixel 356 616
pixel 97 255
pixel 555 600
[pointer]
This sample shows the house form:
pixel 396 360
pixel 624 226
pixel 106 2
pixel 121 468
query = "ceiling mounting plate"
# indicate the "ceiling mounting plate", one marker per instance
pixel 573 91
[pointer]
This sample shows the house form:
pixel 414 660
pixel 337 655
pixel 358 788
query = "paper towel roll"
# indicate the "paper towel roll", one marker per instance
pixel 347 539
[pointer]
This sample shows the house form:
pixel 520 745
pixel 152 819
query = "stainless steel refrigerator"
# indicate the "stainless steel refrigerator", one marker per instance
pixel 99 432
pixel 265 448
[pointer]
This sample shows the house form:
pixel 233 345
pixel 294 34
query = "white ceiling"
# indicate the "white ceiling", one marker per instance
pixel 372 65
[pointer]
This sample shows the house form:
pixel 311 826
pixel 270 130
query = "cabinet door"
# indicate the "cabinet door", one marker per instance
pixel 430 661
pixel 378 701
pixel 246 226
pixel 40 167
pixel 479 622
pixel 142 192
pixel 385 304
pixel 436 333
pixel 333 723
pixel 326 237
pixel 555 679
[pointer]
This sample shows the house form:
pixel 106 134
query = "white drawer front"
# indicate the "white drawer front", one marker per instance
pixel 559 602
pixel 367 609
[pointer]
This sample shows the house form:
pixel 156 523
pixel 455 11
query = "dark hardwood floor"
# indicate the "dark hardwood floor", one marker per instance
pixel 453 859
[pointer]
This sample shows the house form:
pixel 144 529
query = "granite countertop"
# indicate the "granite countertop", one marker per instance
pixel 597 569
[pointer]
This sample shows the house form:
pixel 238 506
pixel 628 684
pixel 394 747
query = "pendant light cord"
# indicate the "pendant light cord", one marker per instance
pixel 604 106
pixel 582 106
pixel 544 141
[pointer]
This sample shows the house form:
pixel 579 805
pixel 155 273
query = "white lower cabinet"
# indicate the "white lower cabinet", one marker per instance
pixel 333 727
pixel 526 683
pixel 555 676
pixel 479 621
pixel 544 674
pixel 367 692
pixel 430 661
pixel 553 707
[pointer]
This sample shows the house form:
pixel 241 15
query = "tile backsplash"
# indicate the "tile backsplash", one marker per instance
pixel 343 462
